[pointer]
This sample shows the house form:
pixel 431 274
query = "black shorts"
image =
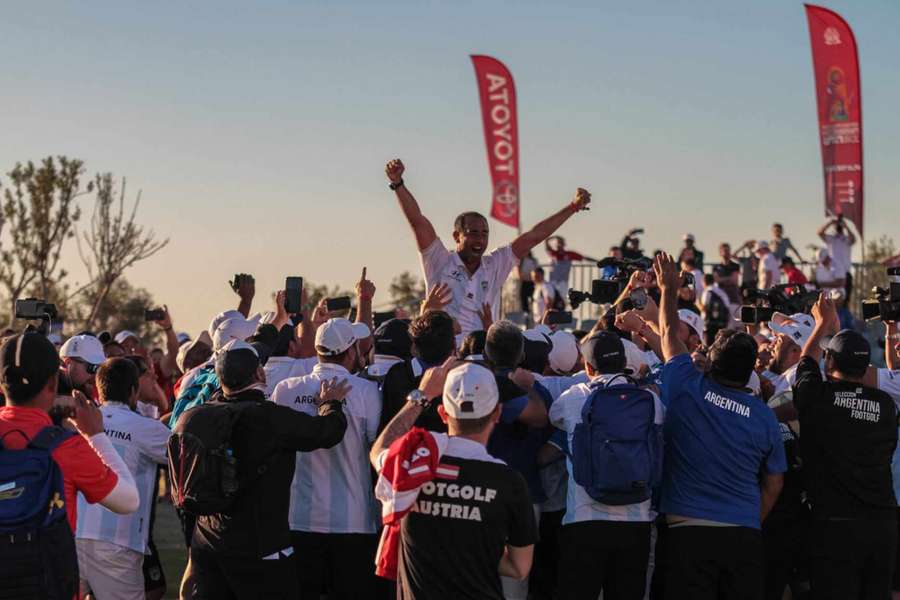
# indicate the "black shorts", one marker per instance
pixel 342 564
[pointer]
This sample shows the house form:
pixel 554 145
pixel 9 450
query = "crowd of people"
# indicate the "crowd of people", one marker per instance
pixel 670 451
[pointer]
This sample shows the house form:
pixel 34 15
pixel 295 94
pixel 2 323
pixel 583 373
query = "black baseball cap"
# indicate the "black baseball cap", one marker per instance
pixel 27 362
pixel 392 338
pixel 236 364
pixel 850 350
pixel 604 351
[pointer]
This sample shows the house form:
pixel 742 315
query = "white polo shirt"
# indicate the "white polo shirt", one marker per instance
pixel 839 248
pixel 332 491
pixel 440 265
pixel 141 442
pixel 279 368
pixel 565 414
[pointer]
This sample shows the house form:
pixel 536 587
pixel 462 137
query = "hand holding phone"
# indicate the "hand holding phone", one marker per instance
pixel 293 287
pixel 337 304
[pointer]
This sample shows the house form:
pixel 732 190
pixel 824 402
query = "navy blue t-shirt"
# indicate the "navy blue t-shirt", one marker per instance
pixel 719 441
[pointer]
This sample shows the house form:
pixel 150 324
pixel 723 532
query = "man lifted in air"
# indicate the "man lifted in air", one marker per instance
pixel 474 278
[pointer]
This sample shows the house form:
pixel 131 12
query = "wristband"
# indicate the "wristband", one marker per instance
pixel 395 186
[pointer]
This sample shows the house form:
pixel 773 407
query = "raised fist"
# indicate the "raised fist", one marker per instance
pixel 394 170
pixel 581 200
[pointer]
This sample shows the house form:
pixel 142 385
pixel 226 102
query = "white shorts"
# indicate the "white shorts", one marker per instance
pixel 110 571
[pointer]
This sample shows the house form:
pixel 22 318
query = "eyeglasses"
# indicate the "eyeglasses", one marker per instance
pixel 90 368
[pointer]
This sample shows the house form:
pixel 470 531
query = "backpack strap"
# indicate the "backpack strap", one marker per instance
pixel 49 438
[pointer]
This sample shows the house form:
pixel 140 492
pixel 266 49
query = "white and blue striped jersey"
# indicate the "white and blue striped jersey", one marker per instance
pixel 332 491
pixel 141 442
pixel 565 414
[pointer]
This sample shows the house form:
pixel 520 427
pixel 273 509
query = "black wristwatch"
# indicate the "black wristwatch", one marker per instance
pixel 418 398
pixel 394 186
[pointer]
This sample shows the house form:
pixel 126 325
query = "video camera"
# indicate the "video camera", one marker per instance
pixel 605 291
pixel 786 298
pixel 885 302
pixel 34 309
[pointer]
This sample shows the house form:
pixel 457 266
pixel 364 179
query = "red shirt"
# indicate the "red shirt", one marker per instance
pixel 796 276
pixel 82 468
pixel 563 255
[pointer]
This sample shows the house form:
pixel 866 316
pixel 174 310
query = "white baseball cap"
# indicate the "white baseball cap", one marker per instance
pixel 470 392
pixel 798 327
pixel 224 316
pixel 236 328
pixel 189 345
pixel 86 347
pixel 564 353
pixel 688 236
pixel 693 320
pixel 336 335
pixel 124 335
pixel 760 244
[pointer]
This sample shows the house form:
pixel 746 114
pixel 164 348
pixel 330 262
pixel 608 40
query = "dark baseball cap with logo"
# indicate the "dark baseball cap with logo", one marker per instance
pixel 850 350
pixel 605 352
pixel 392 338
pixel 27 362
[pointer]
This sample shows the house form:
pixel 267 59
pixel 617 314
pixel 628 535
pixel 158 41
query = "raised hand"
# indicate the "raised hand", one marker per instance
pixel 667 275
pixel 432 383
pixel 365 289
pixel 244 286
pixel 320 313
pixel 581 200
pixel 166 322
pixel 629 320
pixel 437 298
pixel 824 312
pixel 522 378
pixel 394 170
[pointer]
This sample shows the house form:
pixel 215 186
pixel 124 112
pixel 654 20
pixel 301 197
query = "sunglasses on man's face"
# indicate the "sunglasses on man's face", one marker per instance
pixel 90 368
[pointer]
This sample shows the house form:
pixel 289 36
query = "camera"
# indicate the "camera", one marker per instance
pixel 605 291
pixel 33 309
pixel 787 298
pixel 884 303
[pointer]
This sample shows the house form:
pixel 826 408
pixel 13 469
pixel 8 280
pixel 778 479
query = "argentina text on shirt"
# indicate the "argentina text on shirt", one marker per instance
pixel 727 404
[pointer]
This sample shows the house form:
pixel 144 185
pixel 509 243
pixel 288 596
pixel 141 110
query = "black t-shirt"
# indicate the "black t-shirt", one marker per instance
pixel 454 538
pixel 791 505
pixel 849 435
pixel 727 269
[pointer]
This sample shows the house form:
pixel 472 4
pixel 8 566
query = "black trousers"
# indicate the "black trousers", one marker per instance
pixel 544 571
pixel 341 564
pixel 219 577
pixel 714 563
pixel 852 559
pixel 786 545
pixel 607 556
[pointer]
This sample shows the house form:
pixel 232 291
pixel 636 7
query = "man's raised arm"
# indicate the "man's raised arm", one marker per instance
pixel 421 226
pixel 669 282
pixel 540 232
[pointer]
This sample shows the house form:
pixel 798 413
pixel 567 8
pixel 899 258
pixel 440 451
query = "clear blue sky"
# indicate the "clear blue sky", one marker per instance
pixel 258 131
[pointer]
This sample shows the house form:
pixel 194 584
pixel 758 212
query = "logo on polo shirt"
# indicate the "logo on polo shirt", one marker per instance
pixel 118 435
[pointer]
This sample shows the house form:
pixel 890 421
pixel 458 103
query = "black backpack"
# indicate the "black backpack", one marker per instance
pixel 202 465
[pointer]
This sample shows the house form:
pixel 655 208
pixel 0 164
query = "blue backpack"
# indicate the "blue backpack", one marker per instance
pixel 37 548
pixel 617 448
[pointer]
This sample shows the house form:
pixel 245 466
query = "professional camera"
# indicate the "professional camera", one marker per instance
pixel 605 291
pixel 885 302
pixel 787 298
pixel 34 309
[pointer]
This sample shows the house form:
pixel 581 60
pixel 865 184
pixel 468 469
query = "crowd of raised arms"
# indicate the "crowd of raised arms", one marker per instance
pixel 670 451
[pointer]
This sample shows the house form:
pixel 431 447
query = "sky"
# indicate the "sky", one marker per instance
pixel 258 131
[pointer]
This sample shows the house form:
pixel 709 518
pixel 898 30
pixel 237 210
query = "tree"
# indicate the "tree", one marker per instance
pixel 123 307
pixel 39 210
pixel 114 243
pixel 407 291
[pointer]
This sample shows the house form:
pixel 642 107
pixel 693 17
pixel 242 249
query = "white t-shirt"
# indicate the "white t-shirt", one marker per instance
pixel 565 414
pixel 279 368
pixel 839 249
pixel 332 489
pixel 469 292
pixel 141 442
pixel 770 264
pixel 541 299
pixel 559 384
pixel 825 274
